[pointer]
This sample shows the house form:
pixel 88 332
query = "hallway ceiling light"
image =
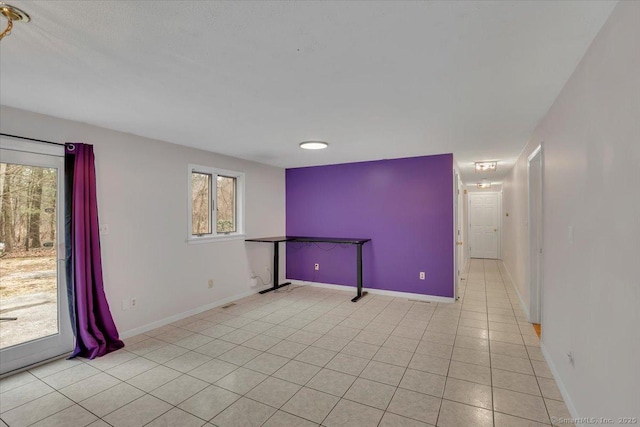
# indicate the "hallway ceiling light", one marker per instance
pixel 484 184
pixel 314 145
pixel 486 166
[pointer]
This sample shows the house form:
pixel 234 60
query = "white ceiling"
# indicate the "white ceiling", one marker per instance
pixel 253 79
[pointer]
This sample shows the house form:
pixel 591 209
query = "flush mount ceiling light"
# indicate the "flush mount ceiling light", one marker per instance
pixel 313 145
pixel 12 14
pixel 484 184
pixel 486 166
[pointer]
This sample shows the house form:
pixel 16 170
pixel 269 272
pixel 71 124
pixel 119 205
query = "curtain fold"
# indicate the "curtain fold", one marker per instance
pixel 96 333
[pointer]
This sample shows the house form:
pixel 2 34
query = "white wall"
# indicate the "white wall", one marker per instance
pixel 142 196
pixel 591 291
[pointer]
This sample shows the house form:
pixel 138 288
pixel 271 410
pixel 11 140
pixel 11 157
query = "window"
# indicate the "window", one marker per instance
pixel 216 199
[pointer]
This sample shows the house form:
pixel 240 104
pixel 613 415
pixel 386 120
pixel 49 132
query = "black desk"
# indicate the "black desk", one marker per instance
pixel 276 245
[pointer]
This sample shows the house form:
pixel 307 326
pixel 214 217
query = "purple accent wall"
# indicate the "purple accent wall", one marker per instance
pixel 404 205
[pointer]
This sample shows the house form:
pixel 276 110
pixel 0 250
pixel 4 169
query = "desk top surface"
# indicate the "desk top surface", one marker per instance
pixel 343 240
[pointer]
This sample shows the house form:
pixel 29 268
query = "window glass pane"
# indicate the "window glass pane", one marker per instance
pixel 226 195
pixel 200 203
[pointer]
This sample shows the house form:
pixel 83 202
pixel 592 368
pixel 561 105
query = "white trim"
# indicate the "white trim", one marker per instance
pixel 535 295
pixel 515 286
pixel 184 314
pixel 563 390
pixel 31 146
pixel 408 295
pixel 240 205
pixel 195 240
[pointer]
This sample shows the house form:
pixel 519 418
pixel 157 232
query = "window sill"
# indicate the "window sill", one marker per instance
pixel 213 239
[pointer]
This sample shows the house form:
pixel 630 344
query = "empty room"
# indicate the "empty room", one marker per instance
pixel 319 213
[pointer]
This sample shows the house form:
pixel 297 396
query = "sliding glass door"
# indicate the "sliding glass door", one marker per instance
pixel 34 315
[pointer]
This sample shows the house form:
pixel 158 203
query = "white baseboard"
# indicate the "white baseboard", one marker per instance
pixel 561 387
pixel 524 306
pixel 408 295
pixel 180 316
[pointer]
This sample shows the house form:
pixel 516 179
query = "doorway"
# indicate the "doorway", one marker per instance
pixel 535 235
pixel 34 314
pixel 483 225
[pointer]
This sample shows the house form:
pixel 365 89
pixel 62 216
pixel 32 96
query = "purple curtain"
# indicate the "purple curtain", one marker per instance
pixel 95 331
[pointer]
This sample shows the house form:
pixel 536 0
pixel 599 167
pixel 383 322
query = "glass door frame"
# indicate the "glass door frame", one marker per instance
pixel 31 352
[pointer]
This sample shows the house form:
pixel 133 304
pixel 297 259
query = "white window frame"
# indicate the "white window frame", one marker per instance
pixel 240 195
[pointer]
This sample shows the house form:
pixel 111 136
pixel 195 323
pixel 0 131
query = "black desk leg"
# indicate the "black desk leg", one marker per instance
pixel 276 265
pixel 360 293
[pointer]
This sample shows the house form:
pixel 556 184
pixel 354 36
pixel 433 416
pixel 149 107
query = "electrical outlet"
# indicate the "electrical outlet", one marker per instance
pixel 210 283
pixel 103 229
pixel 134 302
pixel 422 275
pixel 316 266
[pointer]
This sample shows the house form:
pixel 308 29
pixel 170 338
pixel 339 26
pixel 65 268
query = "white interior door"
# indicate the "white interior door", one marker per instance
pixel 483 225
pixel 535 235
pixel 34 314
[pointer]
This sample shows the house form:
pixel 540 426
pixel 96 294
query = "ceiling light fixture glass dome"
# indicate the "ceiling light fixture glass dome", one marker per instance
pixel 313 145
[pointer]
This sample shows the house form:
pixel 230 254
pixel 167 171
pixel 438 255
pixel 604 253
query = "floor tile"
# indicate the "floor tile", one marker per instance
pixel 515 381
pixel 331 343
pixel 304 337
pixel 241 380
pixel 187 361
pixel 520 405
pixel 166 353
pixel 153 378
pixel 73 416
pixel 70 376
pixel 370 393
pixel 468 393
pixel 16 380
pixel 267 363
pixel 332 382
pixel 131 368
pixel 36 410
pixel 284 419
pixel 549 388
pixel 239 355
pixel 360 349
pixel 244 413
pixel 45 370
pixel 371 337
pixel 109 400
pixel 504 420
pixel 261 342
pixel 423 382
pixel 311 404
pixel 392 420
pixel 453 414
pixel 215 348
pixel 415 405
pixel 468 372
pixel 401 343
pixel 393 356
pixel 273 392
pixel 383 373
pixel 316 356
pixel 514 364
pixel 351 414
pixel 513 350
pixel 435 365
pixel 287 349
pixel 541 369
pixel 296 372
pixel 179 389
pixel 178 418
pixel 138 413
pixel 213 370
pixel 429 348
pixel 22 394
pixel 209 402
pixel 89 387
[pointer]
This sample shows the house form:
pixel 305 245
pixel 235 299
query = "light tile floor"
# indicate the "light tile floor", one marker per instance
pixel 311 357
